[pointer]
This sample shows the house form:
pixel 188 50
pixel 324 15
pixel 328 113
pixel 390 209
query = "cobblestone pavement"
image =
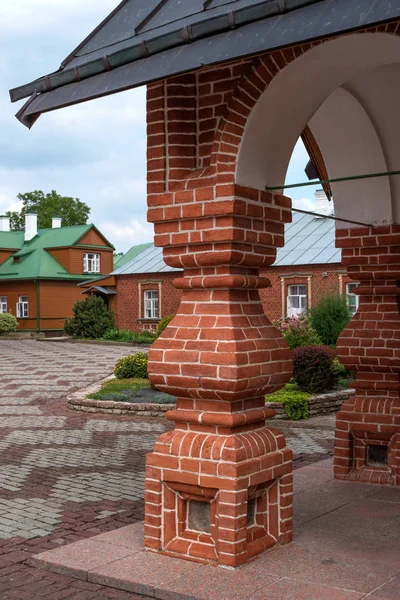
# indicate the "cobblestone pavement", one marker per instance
pixel 68 475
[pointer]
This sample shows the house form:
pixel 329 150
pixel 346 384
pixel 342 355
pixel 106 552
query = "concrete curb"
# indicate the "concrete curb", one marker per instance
pixel 133 345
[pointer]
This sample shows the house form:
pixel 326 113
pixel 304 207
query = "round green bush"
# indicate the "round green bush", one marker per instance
pixel 312 368
pixel 294 401
pixel 133 366
pixel 8 323
pixel 163 324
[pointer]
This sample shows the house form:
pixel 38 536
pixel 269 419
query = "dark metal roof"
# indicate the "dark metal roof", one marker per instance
pixel 144 42
pixel 308 241
pixel 102 290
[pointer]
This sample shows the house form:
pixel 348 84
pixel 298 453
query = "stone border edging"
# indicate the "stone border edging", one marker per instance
pixel 78 401
pixel 320 404
pixel 136 345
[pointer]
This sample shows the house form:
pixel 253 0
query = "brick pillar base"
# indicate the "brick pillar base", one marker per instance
pixel 367 441
pixel 219 487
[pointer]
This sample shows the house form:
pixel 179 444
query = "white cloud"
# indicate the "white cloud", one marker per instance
pixel 304 204
pixel 125 236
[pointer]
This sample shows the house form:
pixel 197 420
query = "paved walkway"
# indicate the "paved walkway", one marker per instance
pixel 66 475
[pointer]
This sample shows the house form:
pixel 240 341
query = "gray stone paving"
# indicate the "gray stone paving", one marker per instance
pixel 51 457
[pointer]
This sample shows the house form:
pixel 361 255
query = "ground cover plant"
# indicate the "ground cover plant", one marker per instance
pixel 124 335
pixel 91 319
pixel 8 323
pixel 131 390
pixel 293 399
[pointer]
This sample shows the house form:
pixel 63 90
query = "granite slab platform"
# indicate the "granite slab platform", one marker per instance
pixel 346 547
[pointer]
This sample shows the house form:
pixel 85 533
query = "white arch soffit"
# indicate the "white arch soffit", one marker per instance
pixel 295 95
pixel 350 146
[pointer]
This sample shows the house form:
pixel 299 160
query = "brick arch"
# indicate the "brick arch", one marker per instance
pixel 253 84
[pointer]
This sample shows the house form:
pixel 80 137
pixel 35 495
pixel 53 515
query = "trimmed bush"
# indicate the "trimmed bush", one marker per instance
pixel 133 366
pixel 312 368
pixel 298 332
pixel 163 324
pixel 329 317
pixel 91 319
pixel 8 323
pixel 294 401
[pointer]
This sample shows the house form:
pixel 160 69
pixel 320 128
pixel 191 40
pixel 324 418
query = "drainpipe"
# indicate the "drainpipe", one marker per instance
pixel 37 305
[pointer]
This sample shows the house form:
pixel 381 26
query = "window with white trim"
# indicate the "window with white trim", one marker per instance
pixel 91 263
pixel 296 300
pixel 22 307
pixel 151 304
pixel 3 304
pixel 353 300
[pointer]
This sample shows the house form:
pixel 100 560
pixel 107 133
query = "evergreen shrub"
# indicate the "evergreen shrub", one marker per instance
pixel 329 317
pixel 163 324
pixel 91 319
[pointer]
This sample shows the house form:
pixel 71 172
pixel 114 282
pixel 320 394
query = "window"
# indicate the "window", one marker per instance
pixel 297 300
pixel 352 299
pixel 91 263
pixel 151 304
pixel 3 304
pixel 22 307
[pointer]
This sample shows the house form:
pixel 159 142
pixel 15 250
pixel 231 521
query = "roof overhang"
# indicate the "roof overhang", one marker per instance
pixel 234 35
pixel 100 289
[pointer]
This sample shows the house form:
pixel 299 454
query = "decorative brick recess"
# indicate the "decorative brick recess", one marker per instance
pixel 367 444
pixel 219 487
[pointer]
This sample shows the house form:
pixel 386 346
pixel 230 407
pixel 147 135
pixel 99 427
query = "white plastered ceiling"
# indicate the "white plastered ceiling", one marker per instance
pixel 348 91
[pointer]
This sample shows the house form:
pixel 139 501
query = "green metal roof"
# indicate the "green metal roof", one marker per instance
pixel 35 262
pixel 131 254
pixel 11 240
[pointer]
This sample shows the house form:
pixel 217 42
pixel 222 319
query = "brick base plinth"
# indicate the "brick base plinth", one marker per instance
pixel 240 485
pixel 367 443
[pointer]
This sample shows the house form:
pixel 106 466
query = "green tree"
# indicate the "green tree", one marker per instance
pixel 71 210
pixel 329 317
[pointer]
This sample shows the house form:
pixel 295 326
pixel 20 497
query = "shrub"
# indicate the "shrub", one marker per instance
pixel 294 401
pixel 8 323
pixel 163 324
pixel 312 368
pixel 91 319
pixel 342 376
pixel 329 317
pixel 132 366
pixel 124 335
pixel 298 331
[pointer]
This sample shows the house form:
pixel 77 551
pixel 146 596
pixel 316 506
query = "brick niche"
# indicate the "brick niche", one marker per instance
pixel 367 444
pixel 219 487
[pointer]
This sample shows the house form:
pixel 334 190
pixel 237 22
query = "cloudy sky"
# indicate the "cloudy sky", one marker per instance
pixel 93 151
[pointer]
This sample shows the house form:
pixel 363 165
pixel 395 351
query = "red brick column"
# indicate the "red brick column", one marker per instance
pixel 219 487
pixel 367 445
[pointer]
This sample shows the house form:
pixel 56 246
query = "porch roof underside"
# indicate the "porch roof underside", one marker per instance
pixel 137 45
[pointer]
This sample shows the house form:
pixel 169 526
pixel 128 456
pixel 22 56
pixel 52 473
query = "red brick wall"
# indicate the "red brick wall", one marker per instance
pixel 127 299
pixel 130 310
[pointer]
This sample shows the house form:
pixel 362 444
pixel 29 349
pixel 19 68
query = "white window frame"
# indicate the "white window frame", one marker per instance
pixel 151 304
pixel 23 307
pixel 296 300
pixel 3 304
pixel 91 262
pixel 353 300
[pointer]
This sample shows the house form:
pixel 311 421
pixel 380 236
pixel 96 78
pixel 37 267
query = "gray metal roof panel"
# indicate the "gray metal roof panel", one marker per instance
pixel 317 247
pixel 87 75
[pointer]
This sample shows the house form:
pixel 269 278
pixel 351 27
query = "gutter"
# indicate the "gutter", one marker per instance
pixel 179 37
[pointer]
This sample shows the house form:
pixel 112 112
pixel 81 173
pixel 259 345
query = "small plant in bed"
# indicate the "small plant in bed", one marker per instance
pixel 137 391
pixel 294 401
pixel 124 335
